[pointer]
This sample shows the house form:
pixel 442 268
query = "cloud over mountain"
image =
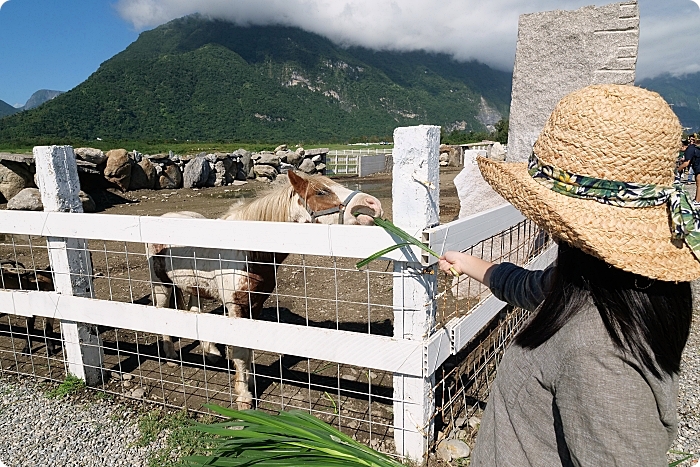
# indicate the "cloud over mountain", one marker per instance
pixel 466 29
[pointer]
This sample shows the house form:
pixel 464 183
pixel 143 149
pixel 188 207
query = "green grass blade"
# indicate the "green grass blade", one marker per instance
pixel 369 259
pixel 403 235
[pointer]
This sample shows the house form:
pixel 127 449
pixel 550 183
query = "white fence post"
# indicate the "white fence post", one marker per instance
pixel 416 200
pixel 57 178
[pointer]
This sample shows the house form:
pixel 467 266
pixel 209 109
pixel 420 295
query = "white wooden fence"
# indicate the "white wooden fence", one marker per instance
pixel 412 355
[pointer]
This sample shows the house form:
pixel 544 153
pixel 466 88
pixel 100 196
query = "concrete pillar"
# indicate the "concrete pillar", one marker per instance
pixel 57 177
pixel 416 201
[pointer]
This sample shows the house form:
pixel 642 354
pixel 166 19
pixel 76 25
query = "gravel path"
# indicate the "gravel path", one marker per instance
pixel 689 393
pixel 38 431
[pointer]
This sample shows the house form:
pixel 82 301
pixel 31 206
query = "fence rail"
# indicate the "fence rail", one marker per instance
pixel 359 348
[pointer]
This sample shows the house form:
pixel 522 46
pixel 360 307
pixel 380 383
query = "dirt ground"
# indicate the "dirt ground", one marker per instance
pixel 358 400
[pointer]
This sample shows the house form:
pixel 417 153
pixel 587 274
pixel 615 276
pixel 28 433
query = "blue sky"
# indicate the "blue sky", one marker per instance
pixel 57 44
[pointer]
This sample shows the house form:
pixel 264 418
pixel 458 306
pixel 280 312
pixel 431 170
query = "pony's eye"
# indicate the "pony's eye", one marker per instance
pixel 321 193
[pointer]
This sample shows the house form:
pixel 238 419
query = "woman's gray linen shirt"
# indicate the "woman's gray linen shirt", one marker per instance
pixel 576 400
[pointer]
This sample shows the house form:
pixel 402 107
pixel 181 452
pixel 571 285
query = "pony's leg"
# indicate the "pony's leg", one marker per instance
pixel 209 349
pixel 241 360
pixel 27 349
pixel 162 294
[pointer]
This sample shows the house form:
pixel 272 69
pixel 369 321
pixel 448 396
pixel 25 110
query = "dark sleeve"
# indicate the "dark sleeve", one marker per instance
pixel 689 153
pixel 519 286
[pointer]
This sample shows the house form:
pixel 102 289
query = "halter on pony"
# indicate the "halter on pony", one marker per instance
pixel 340 209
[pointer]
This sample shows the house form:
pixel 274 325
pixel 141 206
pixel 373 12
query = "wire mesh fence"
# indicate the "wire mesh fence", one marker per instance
pixel 322 292
pixel 311 291
pixel 462 383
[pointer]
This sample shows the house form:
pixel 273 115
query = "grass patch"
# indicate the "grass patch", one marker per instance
pixel 69 386
pixel 180 439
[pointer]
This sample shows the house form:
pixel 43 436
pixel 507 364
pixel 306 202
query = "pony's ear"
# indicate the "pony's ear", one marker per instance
pixel 299 183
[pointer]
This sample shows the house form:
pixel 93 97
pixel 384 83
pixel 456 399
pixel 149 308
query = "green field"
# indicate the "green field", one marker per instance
pixel 187 148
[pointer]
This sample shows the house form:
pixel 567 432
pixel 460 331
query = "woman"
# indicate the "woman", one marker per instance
pixel 592 379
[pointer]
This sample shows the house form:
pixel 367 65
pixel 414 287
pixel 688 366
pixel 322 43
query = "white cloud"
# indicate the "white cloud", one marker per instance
pixel 2 2
pixel 466 29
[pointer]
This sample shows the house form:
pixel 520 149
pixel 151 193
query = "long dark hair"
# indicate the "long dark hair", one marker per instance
pixel 649 318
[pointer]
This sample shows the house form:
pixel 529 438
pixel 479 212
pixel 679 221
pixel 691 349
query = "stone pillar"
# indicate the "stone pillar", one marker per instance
pixel 416 201
pixel 57 178
pixel 559 52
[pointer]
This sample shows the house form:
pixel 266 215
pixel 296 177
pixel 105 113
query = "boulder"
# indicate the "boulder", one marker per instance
pixel 307 166
pixel 88 203
pixel 300 151
pixel 28 199
pixel 284 167
pixel 265 171
pixel 317 151
pixel 295 158
pixel 196 173
pixel 317 158
pixel 170 178
pixel 211 179
pixel 14 177
pixel 320 167
pixel 496 152
pixel 245 165
pixel 118 168
pixel 282 155
pixel 143 175
pixel 269 159
pixel 95 156
pixel 450 449
pixel 281 147
pixel 224 172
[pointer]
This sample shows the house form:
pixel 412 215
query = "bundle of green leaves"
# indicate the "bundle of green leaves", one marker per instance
pixel 254 438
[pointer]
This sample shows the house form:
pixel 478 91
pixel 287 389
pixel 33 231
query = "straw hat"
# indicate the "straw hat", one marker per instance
pixel 611 132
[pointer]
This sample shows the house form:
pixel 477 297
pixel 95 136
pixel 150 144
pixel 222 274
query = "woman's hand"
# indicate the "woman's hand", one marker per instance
pixel 463 263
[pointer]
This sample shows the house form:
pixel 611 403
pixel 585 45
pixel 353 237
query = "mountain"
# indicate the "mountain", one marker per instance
pixel 6 109
pixel 200 79
pixel 683 93
pixel 39 97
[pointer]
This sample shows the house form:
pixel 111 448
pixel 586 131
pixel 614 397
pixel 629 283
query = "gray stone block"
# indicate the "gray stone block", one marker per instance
pixel 559 52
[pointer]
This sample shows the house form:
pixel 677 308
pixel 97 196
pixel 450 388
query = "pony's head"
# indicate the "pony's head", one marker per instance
pixel 324 201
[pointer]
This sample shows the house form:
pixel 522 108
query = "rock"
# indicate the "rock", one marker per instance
pixel 444 156
pixel 317 151
pixel 474 422
pixel 320 167
pixel 143 175
pixel 268 159
pixel 28 199
pixel 88 203
pixel 14 177
pixel 196 173
pixel 317 158
pixel 443 163
pixel 225 171
pixel 170 178
pixel 138 393
pixel 475 195
pixel 211 179
pixel 284 168
pixel 300 151
pixel 460 422
pixel 282 155
pixel 239 182
pixel 118 168
pixel 95 156
pixel 452 449
pixel 281 147
pixel 265 171
pixel 158 157
pixel 307 166
pixel 245 164
pixel 496 152
pixel 295 158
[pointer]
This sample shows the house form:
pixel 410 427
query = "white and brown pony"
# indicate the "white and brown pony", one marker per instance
pixel 242 280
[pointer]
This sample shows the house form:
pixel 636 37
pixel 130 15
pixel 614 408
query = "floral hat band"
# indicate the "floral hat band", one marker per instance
pixel 685 220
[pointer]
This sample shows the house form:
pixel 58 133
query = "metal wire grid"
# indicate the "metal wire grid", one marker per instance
pixel 311 291
pixel 459 295
pixel 463 381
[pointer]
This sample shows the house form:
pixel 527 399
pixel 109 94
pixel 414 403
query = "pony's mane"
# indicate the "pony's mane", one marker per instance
pixel 273 207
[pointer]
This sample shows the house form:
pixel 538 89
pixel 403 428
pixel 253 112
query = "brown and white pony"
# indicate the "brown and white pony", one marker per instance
pixel 242 280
